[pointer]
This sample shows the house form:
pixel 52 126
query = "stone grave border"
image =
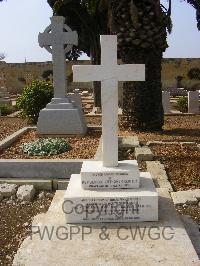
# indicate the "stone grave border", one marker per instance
pixel 54 182
pixel 180 198
pixel 52 174
pixel 48 174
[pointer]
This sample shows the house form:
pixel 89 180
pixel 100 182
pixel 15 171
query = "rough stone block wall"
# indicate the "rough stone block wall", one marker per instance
pixel 171 69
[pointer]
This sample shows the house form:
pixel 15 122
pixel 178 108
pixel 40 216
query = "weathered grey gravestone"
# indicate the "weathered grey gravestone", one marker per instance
pixel 61 116
pixel 97 187
pixel 193 102
pixel 166 102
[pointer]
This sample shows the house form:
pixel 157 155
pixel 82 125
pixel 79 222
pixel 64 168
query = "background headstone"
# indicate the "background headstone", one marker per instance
pixel 166 102
pixel 62 116
pixel 193 102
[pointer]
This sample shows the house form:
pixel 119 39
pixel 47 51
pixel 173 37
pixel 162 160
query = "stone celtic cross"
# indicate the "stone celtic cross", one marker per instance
pixel 58 39
pixel 109 73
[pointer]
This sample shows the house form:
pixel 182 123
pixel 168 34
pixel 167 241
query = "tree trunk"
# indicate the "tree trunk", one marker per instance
pixel 96 60
pixel 141 29
pixel 97 93
pixel 142 103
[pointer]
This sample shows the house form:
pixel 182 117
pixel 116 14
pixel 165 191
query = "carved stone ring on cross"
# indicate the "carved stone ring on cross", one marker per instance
pixel 48 47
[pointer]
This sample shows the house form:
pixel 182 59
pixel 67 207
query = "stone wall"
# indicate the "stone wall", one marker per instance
pixel 17 75
pixel 172 68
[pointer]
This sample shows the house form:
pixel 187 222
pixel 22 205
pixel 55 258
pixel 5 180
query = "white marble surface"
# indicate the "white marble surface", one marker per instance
pixel 109 73
pixel 130 205
pixel 193 102
pixel 162 243
pixel 166 102
pixel 95 176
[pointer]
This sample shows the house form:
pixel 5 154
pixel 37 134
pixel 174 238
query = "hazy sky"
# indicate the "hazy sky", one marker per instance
pixel 21 21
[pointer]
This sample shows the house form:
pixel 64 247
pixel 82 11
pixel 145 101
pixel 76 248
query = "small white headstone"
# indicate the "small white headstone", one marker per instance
pixel 193 102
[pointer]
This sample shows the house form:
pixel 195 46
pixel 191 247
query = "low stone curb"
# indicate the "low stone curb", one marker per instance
pixel 128 142
pixel 12 138
pixel 143 154
pixel 22 193
pixel 157 170
pixel 39 168
pixel 150 143
pixel 38 184
pixel 190 197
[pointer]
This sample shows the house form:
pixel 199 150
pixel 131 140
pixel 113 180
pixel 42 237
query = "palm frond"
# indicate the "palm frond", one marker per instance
pixel 196 5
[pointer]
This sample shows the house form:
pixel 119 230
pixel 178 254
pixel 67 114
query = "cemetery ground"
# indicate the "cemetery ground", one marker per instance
pixel 181 162
pixel 10 125
pixel 15 221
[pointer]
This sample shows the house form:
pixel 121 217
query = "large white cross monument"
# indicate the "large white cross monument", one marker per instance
pixel 117 188
pixel 109 73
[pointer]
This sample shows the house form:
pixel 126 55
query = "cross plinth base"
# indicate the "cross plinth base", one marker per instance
pixel 95 176
pixel 114 206
pixel 61 117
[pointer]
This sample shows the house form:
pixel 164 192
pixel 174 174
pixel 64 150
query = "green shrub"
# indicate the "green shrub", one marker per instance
pixel 34 98
pixel 43 147
pixel 182 104
pixel 7 109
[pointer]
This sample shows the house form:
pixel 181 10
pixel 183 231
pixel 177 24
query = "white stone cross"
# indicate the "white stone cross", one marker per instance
pixel 109 73
pixel 58 35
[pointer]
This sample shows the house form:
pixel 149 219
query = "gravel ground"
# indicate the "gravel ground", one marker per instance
pixel 193 211
pixel 15 221
pixel 10 125
pixel 176 128
pixel 81 147
pixel 182 164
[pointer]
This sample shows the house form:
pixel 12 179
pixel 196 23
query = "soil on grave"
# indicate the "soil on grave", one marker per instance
pixel 176 128
pixel 191 210
pixel 15 222
pixel 80 147
pixel 10 125
pixel 182 164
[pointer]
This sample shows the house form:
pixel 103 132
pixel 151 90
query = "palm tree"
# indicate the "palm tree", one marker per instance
pixel 141 26
pixel 141 29
pixel 89 19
